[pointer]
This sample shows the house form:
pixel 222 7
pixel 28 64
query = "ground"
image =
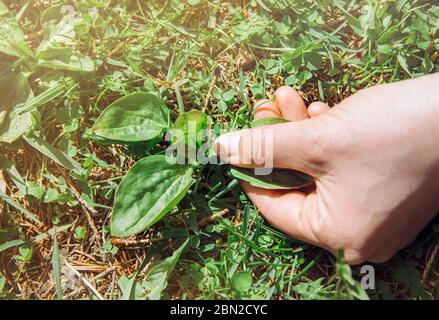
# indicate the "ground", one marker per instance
pixel 215 56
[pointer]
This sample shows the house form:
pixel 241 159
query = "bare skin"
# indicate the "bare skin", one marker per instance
pixel 374 158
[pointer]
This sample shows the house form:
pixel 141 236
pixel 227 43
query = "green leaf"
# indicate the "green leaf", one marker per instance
pixel 56 267
pixel 354 22
pixel 14 204
pixel 59 88
pixel 36 141
pixel 157 278
pixel 59 26
pixel 15 90
pixel 12 42
pixel 193 2
pixel 11 244
pixel 15 126
pixel 191 124
pixel 150 189
pixel 136 117
pixel 130 288
pixel 388 34
pixel 3 9
pixel 51 232
pixel 65 59
pixel 13 174
pixel 267 122
pixel 403 63
pixel 35 190
pixel 277 179
pixel 242 281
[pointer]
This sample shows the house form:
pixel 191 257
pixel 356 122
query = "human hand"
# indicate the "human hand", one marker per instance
pixel 374 158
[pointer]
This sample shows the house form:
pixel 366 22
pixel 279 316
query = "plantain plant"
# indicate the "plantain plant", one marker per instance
pixel 157 183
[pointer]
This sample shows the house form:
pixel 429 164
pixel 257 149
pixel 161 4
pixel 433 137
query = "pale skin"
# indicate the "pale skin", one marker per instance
pixel 374 158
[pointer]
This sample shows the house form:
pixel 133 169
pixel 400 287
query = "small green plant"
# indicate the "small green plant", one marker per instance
pixel 157 183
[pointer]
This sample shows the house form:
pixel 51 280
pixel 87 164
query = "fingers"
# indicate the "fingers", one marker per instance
pixel 317 108
pixel 291 145
pixel 295 145
pixel 290 212
pixel 266 109
pixel 290 104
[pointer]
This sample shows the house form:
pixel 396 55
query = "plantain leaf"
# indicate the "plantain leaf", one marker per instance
pixel 191 125
pixel 157 278
pixel 136 117
pixel 277 179
pixel 147 193
pixel 267 122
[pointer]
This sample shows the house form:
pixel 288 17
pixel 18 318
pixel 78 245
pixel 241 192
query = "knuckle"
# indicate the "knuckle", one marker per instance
pixel 355 249
pixel 320 145
pixel 355 256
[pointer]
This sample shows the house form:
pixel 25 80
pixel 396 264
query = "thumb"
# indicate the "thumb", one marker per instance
pixel 297 145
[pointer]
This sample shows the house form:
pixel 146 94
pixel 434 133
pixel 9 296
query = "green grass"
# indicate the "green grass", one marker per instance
pixel 216 56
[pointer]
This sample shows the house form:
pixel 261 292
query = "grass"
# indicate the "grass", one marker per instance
pixel 216 56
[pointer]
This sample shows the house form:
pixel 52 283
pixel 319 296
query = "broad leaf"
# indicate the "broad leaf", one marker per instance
pixel 190 126
pixel 136 117
pixel 147 193
pixel 277 179
pixel 157 278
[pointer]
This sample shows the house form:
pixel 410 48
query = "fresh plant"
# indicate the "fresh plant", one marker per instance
pixel 154 186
